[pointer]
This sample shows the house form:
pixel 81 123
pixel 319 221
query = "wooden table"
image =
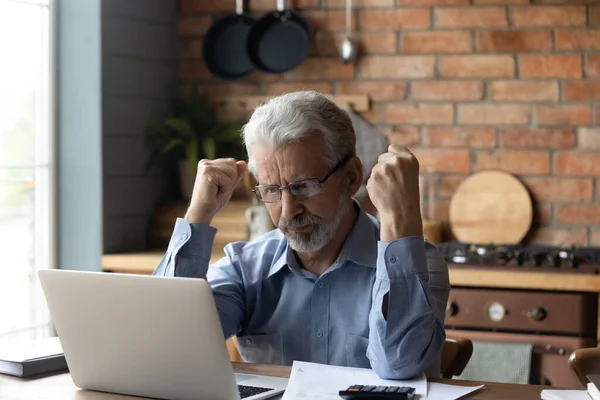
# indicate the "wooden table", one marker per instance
pixel 61 387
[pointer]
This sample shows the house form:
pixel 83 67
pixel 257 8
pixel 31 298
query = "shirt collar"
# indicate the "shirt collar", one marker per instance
pixel 359 247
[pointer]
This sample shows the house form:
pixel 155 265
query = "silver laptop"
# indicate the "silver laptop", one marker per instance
pixel 146 336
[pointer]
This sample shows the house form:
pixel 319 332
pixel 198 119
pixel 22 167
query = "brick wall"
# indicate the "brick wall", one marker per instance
pixel 468 85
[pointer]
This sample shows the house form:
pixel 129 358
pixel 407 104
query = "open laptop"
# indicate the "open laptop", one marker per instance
pixel 146 336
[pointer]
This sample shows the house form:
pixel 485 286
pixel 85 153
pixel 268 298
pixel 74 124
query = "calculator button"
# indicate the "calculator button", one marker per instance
pixel 368 388
pixel 355 388
pixel 380 389
pixel 392 389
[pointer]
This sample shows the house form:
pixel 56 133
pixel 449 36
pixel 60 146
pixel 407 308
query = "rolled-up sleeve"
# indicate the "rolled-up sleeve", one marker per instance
pixel 411 338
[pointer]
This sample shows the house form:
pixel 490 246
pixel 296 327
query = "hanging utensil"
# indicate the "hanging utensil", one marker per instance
pixel 349 48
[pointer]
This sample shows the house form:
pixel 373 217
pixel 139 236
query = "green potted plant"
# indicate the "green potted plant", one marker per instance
pixel 190 134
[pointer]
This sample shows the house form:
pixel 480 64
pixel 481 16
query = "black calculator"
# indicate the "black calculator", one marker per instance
pixel 366 392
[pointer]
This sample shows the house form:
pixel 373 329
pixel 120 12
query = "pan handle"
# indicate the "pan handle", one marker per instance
pixel 239 7
pixel 280 5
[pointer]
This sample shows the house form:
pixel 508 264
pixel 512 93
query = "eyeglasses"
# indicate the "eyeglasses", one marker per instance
pixel 299 189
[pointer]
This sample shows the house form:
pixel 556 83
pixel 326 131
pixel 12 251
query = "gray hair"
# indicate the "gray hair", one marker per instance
pixel 295 116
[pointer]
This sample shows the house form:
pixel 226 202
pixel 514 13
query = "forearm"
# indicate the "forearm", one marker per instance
pixel 410 338
pixel 188 254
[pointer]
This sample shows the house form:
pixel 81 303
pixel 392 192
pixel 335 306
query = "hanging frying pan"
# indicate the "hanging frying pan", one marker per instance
pixel 224 49
pixel 279 41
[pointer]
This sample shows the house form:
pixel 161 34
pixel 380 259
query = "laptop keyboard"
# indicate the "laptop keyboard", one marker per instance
pixel 247 391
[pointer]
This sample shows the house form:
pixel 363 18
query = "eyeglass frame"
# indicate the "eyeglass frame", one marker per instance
pixel 320 181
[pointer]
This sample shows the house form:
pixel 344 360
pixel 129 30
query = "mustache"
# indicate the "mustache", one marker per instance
pixel 298 220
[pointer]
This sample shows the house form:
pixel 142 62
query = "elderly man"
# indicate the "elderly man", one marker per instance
pixel 331 285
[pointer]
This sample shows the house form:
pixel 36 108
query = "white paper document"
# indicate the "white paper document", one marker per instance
pixel 440 391
pixel 550 394
pixel 323 382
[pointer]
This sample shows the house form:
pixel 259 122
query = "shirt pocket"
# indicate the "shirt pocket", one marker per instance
pixel 356 351
pixel 262 348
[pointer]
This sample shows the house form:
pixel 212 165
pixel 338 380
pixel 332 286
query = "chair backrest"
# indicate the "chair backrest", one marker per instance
pixel 585 362
pixel 456 354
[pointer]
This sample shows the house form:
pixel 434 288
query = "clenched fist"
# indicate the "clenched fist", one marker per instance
pixel 214 185
pixel 394 190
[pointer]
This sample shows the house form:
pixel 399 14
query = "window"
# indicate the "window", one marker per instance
pixel 27 184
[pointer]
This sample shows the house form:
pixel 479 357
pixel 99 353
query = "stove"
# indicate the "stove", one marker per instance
pixel 518 257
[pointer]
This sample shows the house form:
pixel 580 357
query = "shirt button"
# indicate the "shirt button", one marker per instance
pixel 319 334
pixel 320 285
pixel 184 237
pixel 392 259
pixel 248 341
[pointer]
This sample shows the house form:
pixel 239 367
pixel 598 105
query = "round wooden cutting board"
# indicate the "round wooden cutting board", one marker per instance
pixel 491 207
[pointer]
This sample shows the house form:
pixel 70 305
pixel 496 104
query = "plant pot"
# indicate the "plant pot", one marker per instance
pixel 187 177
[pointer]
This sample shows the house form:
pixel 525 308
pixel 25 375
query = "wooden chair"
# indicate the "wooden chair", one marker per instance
pixel 456 354
pixel 585 362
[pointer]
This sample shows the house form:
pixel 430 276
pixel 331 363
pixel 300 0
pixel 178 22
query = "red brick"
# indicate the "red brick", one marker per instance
pixel 582 91
pixel 564 115
pixel 595 238
pixel 513 161
pixel 514 41
pixel 502 2
pixel 378 91
pixel 206 6
pixel 327 44
pixel 550 66
pixel 328 20
pixel 437 42
pixel 578 164
pixel 401 67
pixel 422 113
pixel 543 213
pixel 447 90
pixel 433 2
pixel 448 184
pixel 523 90
pixel 287 87
pixel 229 89
pixel 461 137
pixel 192 49
pixel 550 16
pixel 588 138
pixel 579 39
pixel 578 213
pixel 441 160
pixel 559 189
pixel 395 19
pixel 193 26
pixel 559 236
pixel 269 5
pixel 494 114
pixel 538 138
pixel 470 17
pixel 408 136
pixel 477 66
pixel 321 69
pixel 592 66
pixel 595 15
pixel 193 71
pixel 358 3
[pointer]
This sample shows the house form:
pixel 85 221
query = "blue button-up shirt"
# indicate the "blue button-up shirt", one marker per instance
pixel 281 312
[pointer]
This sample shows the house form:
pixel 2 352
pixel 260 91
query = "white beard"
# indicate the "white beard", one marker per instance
pixel 311 242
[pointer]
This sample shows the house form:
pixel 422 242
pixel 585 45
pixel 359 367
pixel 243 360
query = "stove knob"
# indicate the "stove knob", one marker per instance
pixel 451 309
pixel 537 314
pixel 554 260
pixel 537 259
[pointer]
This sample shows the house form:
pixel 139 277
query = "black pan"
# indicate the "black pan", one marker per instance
pixel 224 51
pixel 279 41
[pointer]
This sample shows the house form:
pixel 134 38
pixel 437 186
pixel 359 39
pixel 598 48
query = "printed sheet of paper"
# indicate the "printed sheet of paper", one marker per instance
pixel 323 382
pixel 440 391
